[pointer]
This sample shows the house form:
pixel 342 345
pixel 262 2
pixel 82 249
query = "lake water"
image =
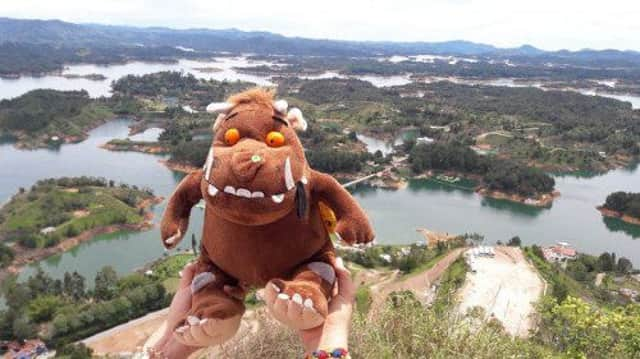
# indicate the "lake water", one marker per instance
pixel 395 214
pixel 10 88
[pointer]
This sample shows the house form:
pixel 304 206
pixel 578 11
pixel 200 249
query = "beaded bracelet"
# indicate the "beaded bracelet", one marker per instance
pixel 335 353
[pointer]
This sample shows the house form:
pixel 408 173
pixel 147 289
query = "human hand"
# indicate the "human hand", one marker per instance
pixel 168 346
pixel 334 332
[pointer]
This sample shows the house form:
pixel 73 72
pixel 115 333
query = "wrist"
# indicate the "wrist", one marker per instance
pixel 338 337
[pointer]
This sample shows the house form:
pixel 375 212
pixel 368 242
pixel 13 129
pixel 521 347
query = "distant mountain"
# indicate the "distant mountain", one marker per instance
pixel 60 33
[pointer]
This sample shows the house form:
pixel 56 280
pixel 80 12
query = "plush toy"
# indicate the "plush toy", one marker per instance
pixel 266 223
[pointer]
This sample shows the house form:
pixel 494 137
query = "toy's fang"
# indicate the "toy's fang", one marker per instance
pixel 288 176
pixel 212 190
pixel 278 198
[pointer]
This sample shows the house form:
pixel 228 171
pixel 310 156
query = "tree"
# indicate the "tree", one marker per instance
pixel 73 285
pixel 42 308
pixel 606 262
pixel 106 283
pixel 624 265
pixel 41 283
pixel 74 351
pixel 23 329
pixel 515 242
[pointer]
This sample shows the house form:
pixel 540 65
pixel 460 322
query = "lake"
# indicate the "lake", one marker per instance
pixel 221 68
pixel 395 214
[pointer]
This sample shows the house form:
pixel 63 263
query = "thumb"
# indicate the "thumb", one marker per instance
pixel 186 274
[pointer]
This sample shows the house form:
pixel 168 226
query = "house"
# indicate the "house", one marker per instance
pixel 48 230
pixel 424 140
pixel 29 349
pixel 561 252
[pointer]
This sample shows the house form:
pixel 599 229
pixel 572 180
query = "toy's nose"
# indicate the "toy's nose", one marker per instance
pixel 245 164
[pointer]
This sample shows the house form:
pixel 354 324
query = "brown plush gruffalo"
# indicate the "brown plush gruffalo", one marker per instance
pixel 262 223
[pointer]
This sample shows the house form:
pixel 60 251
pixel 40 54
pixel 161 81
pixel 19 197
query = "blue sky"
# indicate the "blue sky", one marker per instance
pixel 548 24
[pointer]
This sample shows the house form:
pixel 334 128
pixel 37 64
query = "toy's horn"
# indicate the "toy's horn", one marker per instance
pixel 281 106
pixel 296 120
pixel 219 107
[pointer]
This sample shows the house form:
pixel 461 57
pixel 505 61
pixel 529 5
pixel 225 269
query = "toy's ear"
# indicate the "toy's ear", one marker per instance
pixel 223 108
pixel 295 119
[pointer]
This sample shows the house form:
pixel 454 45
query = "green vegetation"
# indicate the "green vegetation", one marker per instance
pixel 185 87
pixel 6 255
pixel 498 174
pixel 578 278
pixel 581 330
pixel 626 203
pixel 408 259
pixel 54 209
pixel 449 284
pixel 63 311
pixel 52 113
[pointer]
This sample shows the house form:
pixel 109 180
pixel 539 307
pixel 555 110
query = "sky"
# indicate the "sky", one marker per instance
pixel 547 24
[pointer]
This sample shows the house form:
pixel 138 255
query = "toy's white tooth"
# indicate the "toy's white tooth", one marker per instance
pixel 230 190
pixel 288 176
pixel 283 296
pixel 278 198
pixel 308 303
pixel 257 194
pixel 243 192
pixel 212 190
pixel 297 298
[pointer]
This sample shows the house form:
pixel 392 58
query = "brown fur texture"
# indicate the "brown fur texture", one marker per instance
pixel 255 232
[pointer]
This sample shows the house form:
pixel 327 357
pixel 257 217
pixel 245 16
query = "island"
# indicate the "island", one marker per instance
pixel 622 205
pixel 499 178
pixel 55 215
pixel 42 118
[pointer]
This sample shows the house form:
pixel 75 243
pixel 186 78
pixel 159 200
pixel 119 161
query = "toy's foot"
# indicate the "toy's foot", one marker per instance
pixel 212 321
pixel 298 305
pixel 204 332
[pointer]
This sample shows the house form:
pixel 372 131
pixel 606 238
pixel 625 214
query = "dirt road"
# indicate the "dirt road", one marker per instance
pixel 419 284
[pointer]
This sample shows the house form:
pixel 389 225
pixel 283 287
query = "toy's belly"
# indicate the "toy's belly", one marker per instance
pixel 256 254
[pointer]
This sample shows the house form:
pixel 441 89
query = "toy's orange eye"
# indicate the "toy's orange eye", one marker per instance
pixel 275 139
pixel 232 136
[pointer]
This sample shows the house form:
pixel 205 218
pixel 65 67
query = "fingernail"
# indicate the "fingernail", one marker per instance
pixel 180 274
pixel 203 321
pixel 193 320
pixel 181 329
pixel 275 287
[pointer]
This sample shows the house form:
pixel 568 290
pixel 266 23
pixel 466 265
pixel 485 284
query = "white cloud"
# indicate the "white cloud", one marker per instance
pixel 549 24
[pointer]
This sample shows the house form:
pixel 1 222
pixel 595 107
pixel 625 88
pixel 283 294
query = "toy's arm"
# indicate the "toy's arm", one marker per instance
pixel 175 220
pixel 353 225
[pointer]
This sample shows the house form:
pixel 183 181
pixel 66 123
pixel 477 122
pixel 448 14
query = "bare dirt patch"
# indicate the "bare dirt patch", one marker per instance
pixel 81 213
pixel 506 286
